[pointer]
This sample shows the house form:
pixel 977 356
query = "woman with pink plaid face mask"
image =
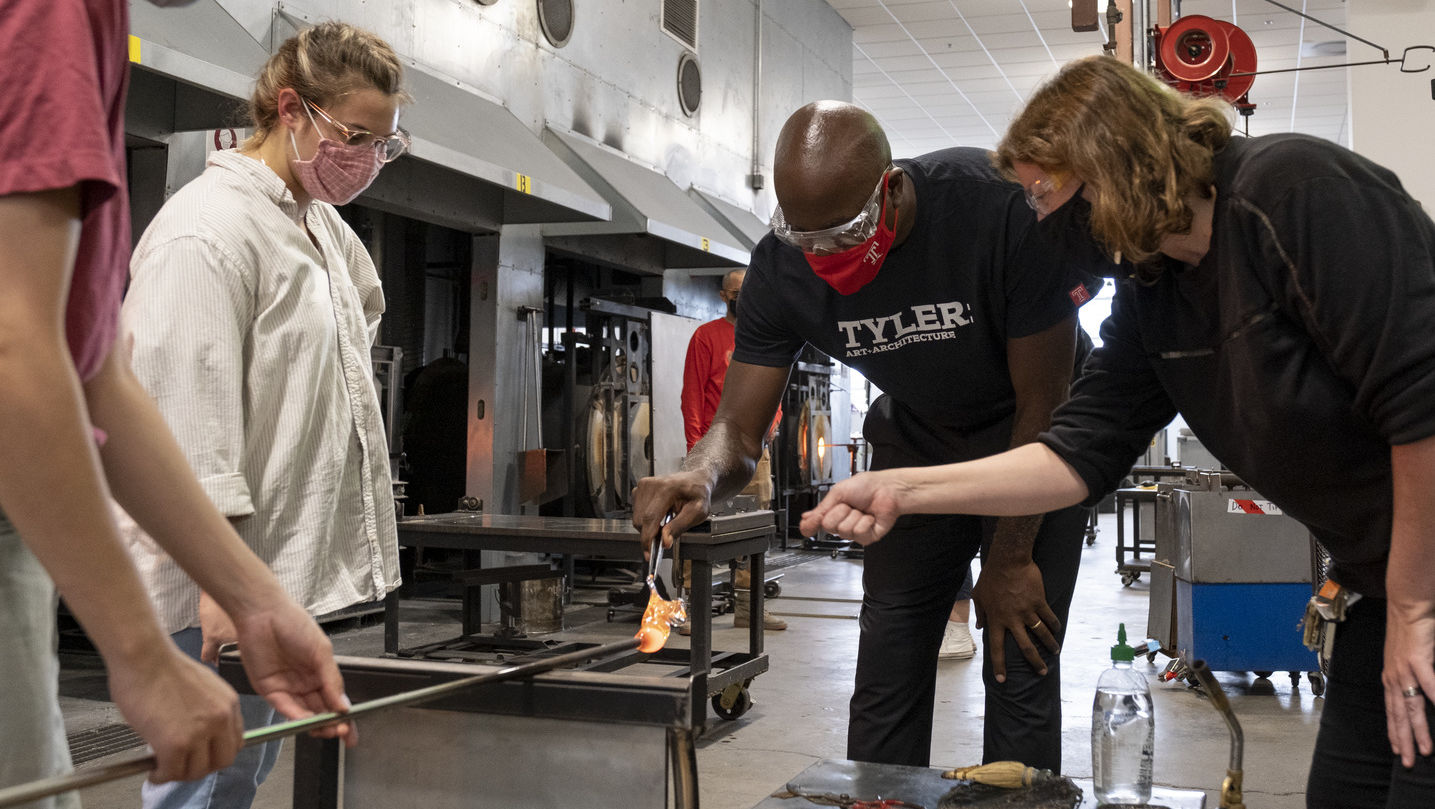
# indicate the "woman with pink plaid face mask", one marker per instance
pixel 253 307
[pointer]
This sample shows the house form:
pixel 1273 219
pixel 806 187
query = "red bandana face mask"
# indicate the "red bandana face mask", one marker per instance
pixel 849 270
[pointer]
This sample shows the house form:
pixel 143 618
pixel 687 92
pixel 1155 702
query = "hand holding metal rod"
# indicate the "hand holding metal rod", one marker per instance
pixel 144 760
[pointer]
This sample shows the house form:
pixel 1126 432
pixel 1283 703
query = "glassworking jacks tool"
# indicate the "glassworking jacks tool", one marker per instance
pixel 655 583
pixel 655 557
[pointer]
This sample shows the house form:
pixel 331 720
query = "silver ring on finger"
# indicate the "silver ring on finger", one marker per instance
pixel 1412 691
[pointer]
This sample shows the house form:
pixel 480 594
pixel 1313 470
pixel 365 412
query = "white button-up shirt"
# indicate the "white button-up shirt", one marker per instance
pixel 254 342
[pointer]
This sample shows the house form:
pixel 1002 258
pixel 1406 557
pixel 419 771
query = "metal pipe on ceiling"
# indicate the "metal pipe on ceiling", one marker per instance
pixel 755 179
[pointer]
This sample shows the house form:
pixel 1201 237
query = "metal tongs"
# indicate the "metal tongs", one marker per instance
pixel 655 584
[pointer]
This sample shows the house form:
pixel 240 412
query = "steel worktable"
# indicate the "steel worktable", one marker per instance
pixel 721 539
pixel 919 786
pixel 562 738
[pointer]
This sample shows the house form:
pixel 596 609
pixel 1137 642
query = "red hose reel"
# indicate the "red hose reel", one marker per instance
pixel 1207 57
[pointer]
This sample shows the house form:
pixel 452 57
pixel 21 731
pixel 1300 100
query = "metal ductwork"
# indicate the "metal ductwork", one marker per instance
pixel 655 225
pixel 473 167
pixel 740 222
pixel 473 162
pixel 196 65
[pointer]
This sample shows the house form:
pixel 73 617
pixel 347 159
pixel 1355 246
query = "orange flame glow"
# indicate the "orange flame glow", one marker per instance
pixel 658 621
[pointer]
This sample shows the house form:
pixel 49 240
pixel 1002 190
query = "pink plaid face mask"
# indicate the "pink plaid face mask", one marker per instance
pixel 336 173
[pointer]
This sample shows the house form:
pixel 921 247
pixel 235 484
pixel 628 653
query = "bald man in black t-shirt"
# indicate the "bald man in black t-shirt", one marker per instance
pixel 928 277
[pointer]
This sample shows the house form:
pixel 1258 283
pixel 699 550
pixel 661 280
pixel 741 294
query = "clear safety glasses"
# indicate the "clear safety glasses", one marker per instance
pixel 1037 195
pixel 839 237
pixel 389 147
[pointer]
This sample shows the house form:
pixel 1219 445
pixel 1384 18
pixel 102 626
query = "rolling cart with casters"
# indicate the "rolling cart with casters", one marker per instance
pixel 1130 562
pixel 723 538
pixel 1230 579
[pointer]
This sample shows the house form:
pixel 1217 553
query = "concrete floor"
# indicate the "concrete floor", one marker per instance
pixel 800 710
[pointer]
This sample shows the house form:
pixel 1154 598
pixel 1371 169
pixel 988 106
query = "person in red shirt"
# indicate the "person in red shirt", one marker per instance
pixel 79 430
pixel 709 352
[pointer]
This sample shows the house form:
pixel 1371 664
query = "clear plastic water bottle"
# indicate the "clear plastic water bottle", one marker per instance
pixel 1123 731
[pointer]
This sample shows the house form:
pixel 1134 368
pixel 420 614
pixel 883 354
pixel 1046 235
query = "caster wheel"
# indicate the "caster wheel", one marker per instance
pixel 1263 674
pixel 772 589
pixel 1151 658
pixel 726 604
pixel 611 612
pixel 1295 679
pixel 1317 684
pixel 834 553
pixel 734 701
pixel 1128 579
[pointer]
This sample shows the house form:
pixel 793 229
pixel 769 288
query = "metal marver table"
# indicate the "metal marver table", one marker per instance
pixel 721 539
pixel 923 786
pixel 563 738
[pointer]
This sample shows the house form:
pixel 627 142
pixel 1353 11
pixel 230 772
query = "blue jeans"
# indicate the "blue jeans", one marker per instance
pixel 234 786
pixel 32 732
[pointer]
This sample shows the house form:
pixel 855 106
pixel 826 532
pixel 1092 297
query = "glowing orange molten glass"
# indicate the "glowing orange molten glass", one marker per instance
pixel 658 621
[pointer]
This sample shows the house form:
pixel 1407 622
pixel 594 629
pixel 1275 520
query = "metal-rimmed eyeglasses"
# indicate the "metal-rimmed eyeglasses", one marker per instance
pixel 389 147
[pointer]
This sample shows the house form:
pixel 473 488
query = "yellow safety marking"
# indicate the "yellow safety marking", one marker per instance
pixel 134 49
pixel 705 244
pixel 524 183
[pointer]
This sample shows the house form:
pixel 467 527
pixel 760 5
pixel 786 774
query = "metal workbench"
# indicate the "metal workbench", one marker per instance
pixel 721 539
pixel 562 738
pixel 919 786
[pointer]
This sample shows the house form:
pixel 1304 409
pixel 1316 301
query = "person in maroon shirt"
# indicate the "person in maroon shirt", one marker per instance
pixel 78 430
pixel 709 352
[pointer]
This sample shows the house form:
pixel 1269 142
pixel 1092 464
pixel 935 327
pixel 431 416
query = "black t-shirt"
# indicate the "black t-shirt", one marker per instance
pixel 1299 350
pixel 931 329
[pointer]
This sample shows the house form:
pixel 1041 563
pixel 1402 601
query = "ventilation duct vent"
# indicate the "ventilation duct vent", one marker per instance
pixel 680 20
pixel 690 84
pixel 556 19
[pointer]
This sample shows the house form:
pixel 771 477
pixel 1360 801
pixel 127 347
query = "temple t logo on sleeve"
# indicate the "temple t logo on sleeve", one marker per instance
pixel 923 323
pixel 1079 294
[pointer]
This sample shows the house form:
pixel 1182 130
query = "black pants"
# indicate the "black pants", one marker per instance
pixel 1353 767
pixel 910 580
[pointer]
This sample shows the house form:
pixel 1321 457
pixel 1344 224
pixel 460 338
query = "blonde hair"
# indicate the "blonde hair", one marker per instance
pixel 321 63
pixel 1141 146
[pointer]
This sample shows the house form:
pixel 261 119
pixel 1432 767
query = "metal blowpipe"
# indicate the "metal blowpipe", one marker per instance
pixel 1231 796
pixel 144 761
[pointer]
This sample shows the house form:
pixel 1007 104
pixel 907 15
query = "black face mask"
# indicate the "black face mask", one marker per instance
pixel 1068 231
pixel 732 308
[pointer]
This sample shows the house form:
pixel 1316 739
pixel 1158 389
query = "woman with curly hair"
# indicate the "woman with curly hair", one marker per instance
pixel 1278 293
